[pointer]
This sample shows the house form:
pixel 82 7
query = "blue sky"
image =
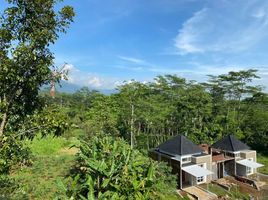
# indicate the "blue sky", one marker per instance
pixel 116 40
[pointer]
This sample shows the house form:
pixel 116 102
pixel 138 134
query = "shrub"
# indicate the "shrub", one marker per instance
pixel 12 152
pixel 107 168
pixel 9 189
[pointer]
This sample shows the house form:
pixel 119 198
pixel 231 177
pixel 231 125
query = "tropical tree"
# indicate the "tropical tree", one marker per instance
pixel 27 29
pixel 255 121
pixel 228 92
pixel 107 168
pixel 102 117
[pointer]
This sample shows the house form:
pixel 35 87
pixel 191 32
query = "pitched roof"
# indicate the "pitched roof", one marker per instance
pixel 179 145
pixel 230 143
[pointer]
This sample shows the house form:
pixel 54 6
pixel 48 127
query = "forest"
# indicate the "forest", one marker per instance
pixel 88 145
pixel 145 115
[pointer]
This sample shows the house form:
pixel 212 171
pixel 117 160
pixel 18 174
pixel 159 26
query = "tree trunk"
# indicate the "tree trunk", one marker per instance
pixel 131 127
pixel 3 123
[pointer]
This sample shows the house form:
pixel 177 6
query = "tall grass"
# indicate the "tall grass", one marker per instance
pixel 50 166
pixel 48 145
pixel 263 159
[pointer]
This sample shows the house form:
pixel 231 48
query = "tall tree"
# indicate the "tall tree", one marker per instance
pixel 228 92
pixel 27 29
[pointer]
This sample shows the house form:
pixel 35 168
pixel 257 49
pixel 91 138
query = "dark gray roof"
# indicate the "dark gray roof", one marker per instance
pixel 179 145
pixel 230 143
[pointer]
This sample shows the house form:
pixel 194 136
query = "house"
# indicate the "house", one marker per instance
pixel 232 157
pixel 195 164
pixel 187 160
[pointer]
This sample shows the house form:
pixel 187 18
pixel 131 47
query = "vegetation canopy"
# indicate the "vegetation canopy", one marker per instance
pixel 111 133
pixel 27 29
pixel 107 168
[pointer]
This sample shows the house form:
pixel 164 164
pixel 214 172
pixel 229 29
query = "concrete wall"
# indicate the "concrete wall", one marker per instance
pixel 249 154
pixel 240 170
pixel 204 159
pixel 230 167
pixel 190 179
pixel 214 170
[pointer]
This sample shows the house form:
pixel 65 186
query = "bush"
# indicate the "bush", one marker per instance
pixel 107 168
pixel 12 152
pixel 9 189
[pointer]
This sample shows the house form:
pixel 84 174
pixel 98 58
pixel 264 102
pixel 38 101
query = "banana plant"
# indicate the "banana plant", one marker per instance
pixel 107 168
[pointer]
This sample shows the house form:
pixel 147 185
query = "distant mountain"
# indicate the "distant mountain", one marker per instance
pixel 71 88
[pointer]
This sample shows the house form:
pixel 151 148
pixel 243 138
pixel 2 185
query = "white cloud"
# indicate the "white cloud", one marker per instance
pixel 198 71
pixel 260 13
pixel 195 71
pixel 132 60
pixel 139 68
pixel 225 26
pixel 69 67
pixel 134 64
pixel 188 35
pixel 95 82
pixel 80 78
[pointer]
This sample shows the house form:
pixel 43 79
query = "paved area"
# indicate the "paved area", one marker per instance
pixel 201 194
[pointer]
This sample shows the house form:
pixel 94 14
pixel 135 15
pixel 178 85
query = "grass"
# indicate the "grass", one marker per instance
pixel 41 180
pixel 234 193
pixel 215 189
pixel 48 145
pixel 237 194
pixel 263 159
pixel 52 160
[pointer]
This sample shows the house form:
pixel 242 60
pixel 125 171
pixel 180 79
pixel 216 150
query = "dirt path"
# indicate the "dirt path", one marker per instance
pixel 69 151
pixel 201 194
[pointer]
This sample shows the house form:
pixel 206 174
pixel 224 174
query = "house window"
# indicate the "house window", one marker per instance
pixel 237 155
pixel 187 159
pixel 229 154
pixel 249 169
pixel 200 179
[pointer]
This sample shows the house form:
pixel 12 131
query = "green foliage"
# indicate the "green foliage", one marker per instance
pixel 41 180
pixel 78 108
pixel 107 168
pixel 50 120
pixel 234 193
pixel 51 162
pixel 48 145
pixel 27 29
pixel 103 116
pixel 263 159
pixel 228 92
pixel 148 114
pixel 12 152
pixel 255 126
pixel 10 189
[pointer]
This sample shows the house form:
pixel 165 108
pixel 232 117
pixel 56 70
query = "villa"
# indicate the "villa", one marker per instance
pixel 195 164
